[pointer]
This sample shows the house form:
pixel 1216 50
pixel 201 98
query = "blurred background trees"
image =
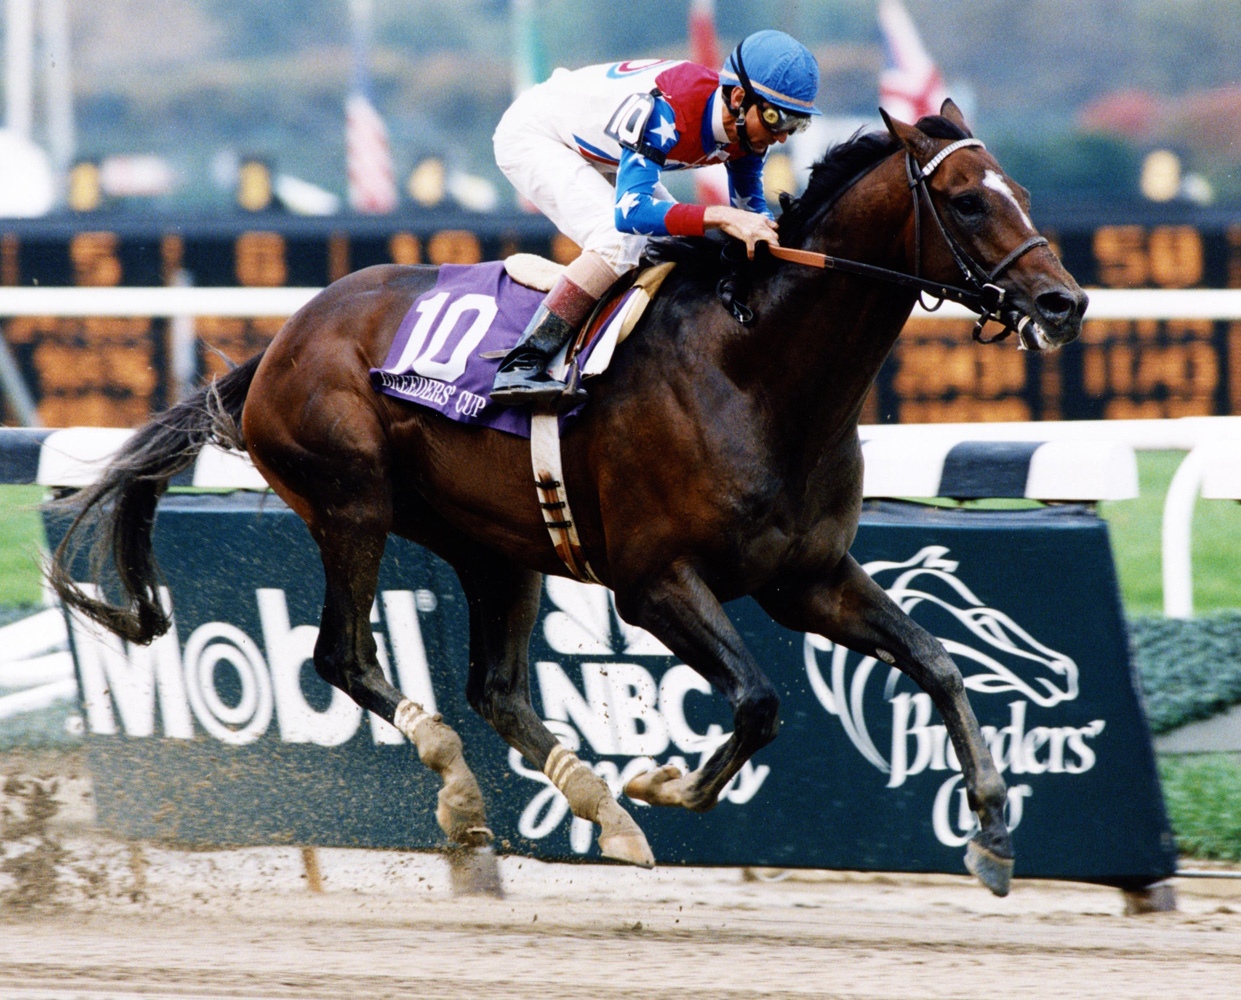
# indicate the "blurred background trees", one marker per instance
pixel 1070 95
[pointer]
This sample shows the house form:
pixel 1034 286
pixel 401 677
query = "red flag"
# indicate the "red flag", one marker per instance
pixel 910 85
pixel 710 183
pixel 368 159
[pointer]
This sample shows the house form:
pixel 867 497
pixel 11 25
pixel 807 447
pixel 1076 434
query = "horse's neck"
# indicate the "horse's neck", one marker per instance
pixel 825 334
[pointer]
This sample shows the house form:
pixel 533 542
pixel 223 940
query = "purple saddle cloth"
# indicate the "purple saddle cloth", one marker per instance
pixel 435 359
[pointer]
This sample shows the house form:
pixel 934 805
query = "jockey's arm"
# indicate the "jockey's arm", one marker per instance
pixel 638 211
pixel 748 219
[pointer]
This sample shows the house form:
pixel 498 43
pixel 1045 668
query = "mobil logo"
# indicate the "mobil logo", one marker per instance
pixel 236 688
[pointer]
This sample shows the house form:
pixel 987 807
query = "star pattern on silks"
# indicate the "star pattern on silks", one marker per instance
pixel 742 202
pixel 626 202
pixel 666 131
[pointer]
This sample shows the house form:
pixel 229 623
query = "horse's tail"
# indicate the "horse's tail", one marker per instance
pixel 117 513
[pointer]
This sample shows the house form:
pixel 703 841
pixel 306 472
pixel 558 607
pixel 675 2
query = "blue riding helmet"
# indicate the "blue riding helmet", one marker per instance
pixel 779 71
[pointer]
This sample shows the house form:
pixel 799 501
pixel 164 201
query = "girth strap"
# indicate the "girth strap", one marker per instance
pixel 552 495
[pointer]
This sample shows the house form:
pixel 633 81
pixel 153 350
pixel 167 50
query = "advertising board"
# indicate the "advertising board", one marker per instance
pixel 220 732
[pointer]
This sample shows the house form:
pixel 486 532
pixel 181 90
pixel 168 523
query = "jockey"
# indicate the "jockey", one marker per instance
pixel 588 147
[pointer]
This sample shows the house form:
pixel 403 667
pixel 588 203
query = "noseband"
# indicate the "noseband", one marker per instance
pixel 981 294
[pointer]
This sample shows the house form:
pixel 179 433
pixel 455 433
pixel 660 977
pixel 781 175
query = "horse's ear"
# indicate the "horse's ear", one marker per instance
pixel 913 139
pixel 950 111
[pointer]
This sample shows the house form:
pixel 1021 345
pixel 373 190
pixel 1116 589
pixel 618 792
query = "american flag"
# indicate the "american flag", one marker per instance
pixel 910 85
pixel 368 160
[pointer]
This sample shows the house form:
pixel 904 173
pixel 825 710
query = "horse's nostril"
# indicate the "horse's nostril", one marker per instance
pixel 1056 306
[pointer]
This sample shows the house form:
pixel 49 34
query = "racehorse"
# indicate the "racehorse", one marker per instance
pixel 718 457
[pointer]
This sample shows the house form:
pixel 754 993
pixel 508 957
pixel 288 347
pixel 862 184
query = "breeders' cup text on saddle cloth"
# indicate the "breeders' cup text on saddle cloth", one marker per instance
pixel 436 358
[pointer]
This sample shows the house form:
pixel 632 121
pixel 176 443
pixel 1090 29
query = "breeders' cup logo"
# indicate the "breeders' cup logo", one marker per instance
pixel 631 706
pixel 996 656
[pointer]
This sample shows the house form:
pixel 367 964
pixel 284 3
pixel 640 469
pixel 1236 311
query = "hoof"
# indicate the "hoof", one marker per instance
pixel 473 871
pixel 1157 898
pixel 988 867
pixel 621 838
pixel 631 848
pixel 462 820
pixel 664 786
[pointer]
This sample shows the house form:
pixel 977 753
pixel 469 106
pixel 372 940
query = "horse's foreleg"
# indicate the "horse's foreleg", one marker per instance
pixel 681 612
pixel 459 810
pixel 345 657
pixel 851 609
pixel 504 601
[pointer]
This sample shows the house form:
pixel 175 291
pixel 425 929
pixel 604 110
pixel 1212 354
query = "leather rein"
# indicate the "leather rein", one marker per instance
pixel 981 294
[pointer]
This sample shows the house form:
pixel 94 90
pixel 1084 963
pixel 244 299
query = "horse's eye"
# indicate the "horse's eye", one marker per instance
pixel 968 205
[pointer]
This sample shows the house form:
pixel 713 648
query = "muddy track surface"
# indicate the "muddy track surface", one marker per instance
pixel 95 918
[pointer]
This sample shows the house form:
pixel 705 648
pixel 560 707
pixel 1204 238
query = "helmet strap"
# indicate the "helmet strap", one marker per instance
pixel 748 100
pixel 743 134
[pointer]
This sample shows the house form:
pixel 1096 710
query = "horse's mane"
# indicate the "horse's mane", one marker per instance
pixel 842 166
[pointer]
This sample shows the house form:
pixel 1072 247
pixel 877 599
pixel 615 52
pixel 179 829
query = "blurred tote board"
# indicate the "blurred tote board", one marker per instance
pixel 114 371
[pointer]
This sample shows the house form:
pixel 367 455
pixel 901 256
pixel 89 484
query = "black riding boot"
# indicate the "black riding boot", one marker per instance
pixel 523 377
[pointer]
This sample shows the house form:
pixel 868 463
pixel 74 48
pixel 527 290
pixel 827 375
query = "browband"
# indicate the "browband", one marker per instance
pixel 942 155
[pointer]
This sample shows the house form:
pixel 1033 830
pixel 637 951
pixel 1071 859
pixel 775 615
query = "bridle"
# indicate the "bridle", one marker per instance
pixel 980 294
pixel 990 296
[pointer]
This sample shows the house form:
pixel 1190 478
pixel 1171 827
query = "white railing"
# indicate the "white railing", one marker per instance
pixel 1212 467
pixel 1105 303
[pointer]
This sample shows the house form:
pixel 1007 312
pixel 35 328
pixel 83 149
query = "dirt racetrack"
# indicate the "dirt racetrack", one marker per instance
pixel 116 920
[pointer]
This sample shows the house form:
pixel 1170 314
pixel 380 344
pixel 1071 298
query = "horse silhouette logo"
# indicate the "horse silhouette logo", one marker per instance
pixel 995 654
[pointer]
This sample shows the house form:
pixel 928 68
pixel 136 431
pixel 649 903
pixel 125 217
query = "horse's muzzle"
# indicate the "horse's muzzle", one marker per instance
pixel 1054 320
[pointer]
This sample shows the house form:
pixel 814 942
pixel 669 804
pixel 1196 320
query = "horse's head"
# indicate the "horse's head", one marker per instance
pixel 973 221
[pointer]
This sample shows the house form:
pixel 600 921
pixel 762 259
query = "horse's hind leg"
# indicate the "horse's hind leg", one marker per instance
pixel 850 608
pixel 351 547
pixel 504 601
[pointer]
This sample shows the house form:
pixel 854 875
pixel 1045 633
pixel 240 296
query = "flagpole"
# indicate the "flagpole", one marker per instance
pixel 361 15
pixel 61 137
pixel 19 66
pixel 710 183
pixel 368 159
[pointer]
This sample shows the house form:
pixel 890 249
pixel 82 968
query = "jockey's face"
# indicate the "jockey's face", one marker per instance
pixel 760 138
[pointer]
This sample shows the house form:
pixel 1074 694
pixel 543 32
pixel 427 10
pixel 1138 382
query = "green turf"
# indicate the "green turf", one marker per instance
pixel 21 538
pixel 1203 797
pixel 1135 529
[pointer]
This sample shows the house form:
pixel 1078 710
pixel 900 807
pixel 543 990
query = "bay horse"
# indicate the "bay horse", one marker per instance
pixel 718 457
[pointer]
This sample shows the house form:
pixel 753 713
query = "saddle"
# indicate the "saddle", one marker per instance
pixel 612 320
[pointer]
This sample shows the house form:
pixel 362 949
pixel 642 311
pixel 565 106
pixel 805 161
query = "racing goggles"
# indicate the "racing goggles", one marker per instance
pixel 776 120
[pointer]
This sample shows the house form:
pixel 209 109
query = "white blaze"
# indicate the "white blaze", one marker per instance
pixel 997 183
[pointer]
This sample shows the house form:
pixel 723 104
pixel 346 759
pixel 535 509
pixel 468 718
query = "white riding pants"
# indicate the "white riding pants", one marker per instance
pixel 579 196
